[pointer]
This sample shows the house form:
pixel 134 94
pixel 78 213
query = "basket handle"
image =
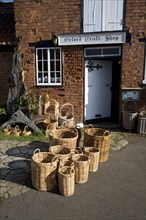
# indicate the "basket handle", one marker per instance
pixel 90 126
pixel 54 159
pixel 36 150
pixel 129 101
pixel 54 101
pixel 106 133
pixel 72 107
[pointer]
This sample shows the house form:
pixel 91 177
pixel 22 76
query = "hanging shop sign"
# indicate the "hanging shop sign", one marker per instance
pixel 94 38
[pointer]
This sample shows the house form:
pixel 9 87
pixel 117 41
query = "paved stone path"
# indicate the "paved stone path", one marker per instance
pixel 15 163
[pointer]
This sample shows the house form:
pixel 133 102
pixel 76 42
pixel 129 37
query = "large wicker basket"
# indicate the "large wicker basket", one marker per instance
pixel 81 163
pixel 65 137
pixel 66 116
pixel 66 179
pixel 99 138
pixel 93 154
pixel 62 152
pixel 43 170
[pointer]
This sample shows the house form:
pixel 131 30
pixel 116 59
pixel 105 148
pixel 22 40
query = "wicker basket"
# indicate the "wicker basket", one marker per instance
pixel 64 137
pixel 129 116
pixel 62 152
pixel 67 115
pixel 26 131
pixel 93 154
pixel 66 179
pixel 68 163
pixel 44 170
pixel 16 131
pixel 7 130
pixel 51 107
pixel 99 138
pixel 81 162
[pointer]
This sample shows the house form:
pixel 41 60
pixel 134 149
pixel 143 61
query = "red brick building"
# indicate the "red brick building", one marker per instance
pixel 99 58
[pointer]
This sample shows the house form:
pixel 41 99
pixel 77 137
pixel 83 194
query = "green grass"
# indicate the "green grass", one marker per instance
pixel 35 136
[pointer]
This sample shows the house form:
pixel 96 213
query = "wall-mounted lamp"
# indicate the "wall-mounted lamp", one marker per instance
pixel 54 39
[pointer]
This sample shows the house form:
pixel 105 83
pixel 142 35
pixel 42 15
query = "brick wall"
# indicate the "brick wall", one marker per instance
pixel 133 53
pixel 5 70
pixel 36 21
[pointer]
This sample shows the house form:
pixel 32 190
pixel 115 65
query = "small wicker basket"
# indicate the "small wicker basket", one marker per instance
pixel 93 154
pixel 81 163
pixel 66 179
pixel 16 131
pixel 62 152
pixel 44 170
pixel 26 131
pixel 67 115
pixel 7 130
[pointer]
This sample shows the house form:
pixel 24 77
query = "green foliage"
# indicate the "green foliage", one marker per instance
pixel 3 111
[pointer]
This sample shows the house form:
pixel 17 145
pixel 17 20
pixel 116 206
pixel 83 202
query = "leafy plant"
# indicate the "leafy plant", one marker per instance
pixel 3 111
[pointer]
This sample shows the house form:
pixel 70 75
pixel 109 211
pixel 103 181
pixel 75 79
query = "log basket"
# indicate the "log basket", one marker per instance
pixel 44 170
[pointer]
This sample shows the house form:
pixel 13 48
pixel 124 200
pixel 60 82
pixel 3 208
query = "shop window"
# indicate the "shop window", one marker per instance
pixel 102 15
pixel 48 66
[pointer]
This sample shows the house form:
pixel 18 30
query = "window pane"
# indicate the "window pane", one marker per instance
pixel 93 52
pixel 45 78
pixel 51 54
pixel 57 65
pixel 52 66
pixel 45 66
pixel 39 54
pixel 40 77
pixel 52 77
pixel 58 78
pixel 45 55
pixel 57 53
pixel 39 65
pixel 110 51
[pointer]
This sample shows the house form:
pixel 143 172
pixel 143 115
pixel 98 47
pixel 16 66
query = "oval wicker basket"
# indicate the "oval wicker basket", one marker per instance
pixel 7 130
pixel 81 163
pixel 51 107
pixel 66 179
pixel 62 152
pixel 26 131
pixel 16 131
pixel 99 138
pixel 93 154
pixel 66 116
pixel 44 170
pixel 64 137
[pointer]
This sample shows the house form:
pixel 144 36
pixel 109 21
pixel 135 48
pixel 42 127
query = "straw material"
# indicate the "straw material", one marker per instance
pixel 67 115
pixel 64 137
pixel 26 131
pixel 99 138
pixel 93 154
pixel 43 170
pixel 62 152
pixel 7 130
pixel 66 179
pixel 68 163
pixel 16 131
pixel 52 107
pixel 81 163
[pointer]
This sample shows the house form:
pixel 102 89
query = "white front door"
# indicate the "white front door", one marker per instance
pixel 98 82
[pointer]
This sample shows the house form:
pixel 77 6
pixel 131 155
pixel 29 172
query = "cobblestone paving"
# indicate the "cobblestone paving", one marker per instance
pixel 15 163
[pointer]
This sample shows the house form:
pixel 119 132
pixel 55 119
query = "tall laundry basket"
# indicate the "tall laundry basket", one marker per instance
pixel 129 115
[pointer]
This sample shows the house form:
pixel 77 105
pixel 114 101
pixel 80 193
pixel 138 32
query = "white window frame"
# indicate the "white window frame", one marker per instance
pixel 48 72
pixel 102 48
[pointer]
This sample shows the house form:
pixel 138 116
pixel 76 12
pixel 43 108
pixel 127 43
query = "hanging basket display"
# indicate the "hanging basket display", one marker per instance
pixel 66 117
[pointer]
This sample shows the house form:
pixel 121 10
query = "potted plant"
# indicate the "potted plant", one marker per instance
pixel 3 115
